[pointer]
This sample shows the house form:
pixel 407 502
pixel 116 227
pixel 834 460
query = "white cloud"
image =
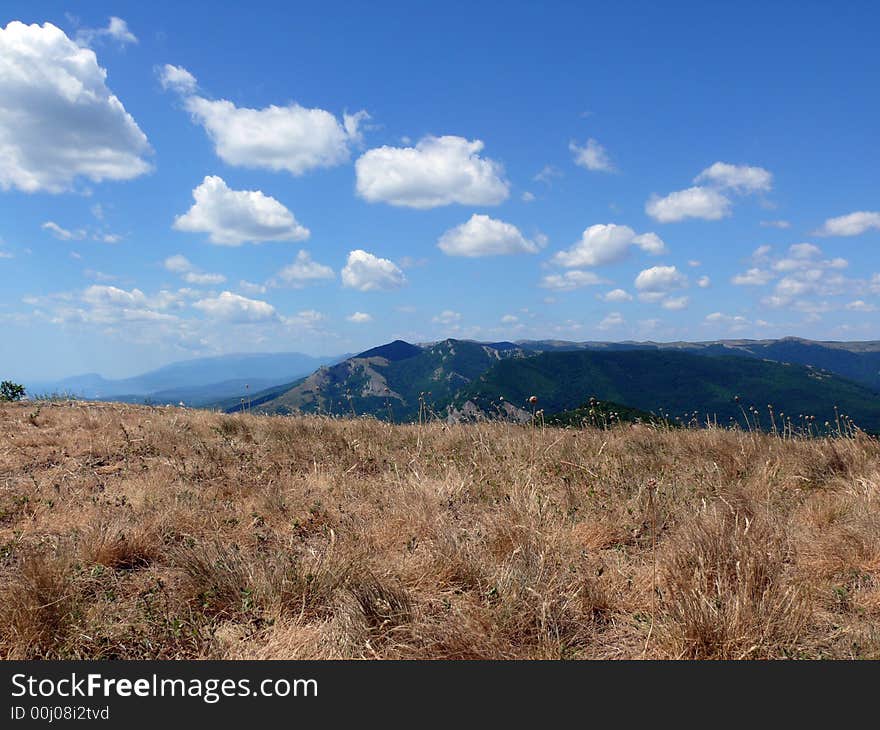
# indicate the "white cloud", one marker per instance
pixel 437 171
pixel 547 173
pixel 801 276
pixel 605 243
pixel 741 178
pixel 58 119
pixel 776 224
pixel 650 243
pixel 485 236
pixel 360 318
pixel 235 308
pixel 660 279
pixel 509 319
pixel 704 282
pixel 62 234
pixel 528 197
pixel 861 306
pixel 695 202
pixel 249 287
pixel 367 272
pixel 617 295
pixel 675 303
pixel 447 317
pixel 307 319
pixel 574 279
pixel 614 319
pixel 852 224
pixel 113 296
pixel 232 217
pixel 734 322
pixel 591 156
pixel 761 254
pixel 753 277
pixel 291 138
pixel 177 79
pixel 117 29
pixel 178 264
pixel 203 279
pixel 705 199
pixel 302 272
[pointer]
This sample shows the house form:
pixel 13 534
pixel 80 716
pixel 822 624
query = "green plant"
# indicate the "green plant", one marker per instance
pixel 10 391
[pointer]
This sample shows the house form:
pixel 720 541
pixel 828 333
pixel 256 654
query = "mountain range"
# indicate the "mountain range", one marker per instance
pixel 460 379
pixel 195 382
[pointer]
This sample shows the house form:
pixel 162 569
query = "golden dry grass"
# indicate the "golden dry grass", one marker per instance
pixel 135 532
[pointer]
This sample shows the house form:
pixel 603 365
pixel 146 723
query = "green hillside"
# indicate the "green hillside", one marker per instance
pixel 675 383
pixel 392 382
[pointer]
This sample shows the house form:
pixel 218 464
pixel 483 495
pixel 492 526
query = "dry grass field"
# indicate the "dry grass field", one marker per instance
pixel 137 532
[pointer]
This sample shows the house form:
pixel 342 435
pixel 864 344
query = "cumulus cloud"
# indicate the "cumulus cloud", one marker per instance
pixel 116 29
pixel 233 217
pixel 574 279
pixel 675 303
pixel 605 243
pixel 852 224
pixel 650 243
pixel 655 284
pixel 617 295
pixel 58 120
pixel 367 272
pixel 111 295
pixel 612 320
pixel 753 277
pixel 236 309
pixel 292 138
pixel 733 322
pixel 741 178
pixel 252 288
pixel 437 171
pixel 695 202
pixel 179 264
pixel 800 276
pixel 302 272
pixel 707 199
pixel 186 318
pixel 359 318
pixel 528 197
pixel 447 317
pixel 591 156
pixel 485 236
pixel 177 79
pixel 704 282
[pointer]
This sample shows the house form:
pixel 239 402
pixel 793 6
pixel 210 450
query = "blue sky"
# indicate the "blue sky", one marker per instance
pixel 191 178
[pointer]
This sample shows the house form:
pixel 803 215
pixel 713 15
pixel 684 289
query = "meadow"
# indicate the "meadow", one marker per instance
pixel 131 532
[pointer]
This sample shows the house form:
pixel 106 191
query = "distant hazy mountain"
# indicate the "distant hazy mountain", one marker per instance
pixel 461 379
pixel 194 382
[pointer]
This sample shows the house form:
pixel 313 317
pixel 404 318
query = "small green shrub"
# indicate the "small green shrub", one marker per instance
pixel 10 391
